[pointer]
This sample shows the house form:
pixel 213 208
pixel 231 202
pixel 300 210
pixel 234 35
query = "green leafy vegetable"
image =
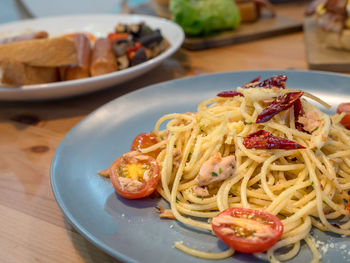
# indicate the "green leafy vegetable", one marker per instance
pixel 202 17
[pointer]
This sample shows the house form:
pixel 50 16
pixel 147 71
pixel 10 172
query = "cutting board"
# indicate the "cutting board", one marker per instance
pixel 320 57
pixel 265 27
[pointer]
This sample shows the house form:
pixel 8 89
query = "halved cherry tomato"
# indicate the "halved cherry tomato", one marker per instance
pixel 345 107
pixel 247 230
pixel 144 140
pixel 134 175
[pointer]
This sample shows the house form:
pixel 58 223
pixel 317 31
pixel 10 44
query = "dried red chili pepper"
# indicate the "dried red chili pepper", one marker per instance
pixel 256 79
pixel 229 93
pixel 255 83
pixel 298 111
pixel 280 104
pixel 262 139
pixel 275 81
pixel 348 205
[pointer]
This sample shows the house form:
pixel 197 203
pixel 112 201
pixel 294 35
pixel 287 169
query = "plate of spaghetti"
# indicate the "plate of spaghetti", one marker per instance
pixel 238 167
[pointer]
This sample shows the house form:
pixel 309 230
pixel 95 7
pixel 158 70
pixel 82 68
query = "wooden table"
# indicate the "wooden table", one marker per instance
pixel 32 227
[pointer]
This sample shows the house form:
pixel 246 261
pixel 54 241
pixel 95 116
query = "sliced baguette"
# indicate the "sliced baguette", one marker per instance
pixel 52 52
pixel 14 74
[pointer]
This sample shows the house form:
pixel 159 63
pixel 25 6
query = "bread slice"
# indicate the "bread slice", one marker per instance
pixel 345 39
pixel 14 73
pixel 248 10
pixel 52 52
pixel 334 39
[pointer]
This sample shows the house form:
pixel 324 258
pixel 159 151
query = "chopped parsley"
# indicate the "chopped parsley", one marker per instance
pixel 274 98
pixel 214 174
pixel 174 145
pixel 312 182
pixel 189 156
pixel 220 170
pixel 248 123
pixel 232 166
pixel 323 201
pixel 253 232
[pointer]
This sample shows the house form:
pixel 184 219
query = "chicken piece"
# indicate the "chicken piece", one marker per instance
pixel 216 169
pixel 130 185
pixel 318 123
pixel 104 173
pixel 165 213
pixel 200 191
pixel 311 120
pixel 176 157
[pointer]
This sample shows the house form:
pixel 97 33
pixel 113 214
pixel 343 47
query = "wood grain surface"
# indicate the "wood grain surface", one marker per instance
pixel 32 227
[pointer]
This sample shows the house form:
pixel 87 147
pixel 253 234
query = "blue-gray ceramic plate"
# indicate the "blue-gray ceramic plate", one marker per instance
pixel 131 230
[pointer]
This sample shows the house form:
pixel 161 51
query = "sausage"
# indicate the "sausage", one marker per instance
pixel 103 60
pixel 23 37
pixel 82 68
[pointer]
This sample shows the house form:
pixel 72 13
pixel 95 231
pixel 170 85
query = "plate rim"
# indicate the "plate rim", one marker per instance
pixel 93 80
pixel 35 13
pixel 67 214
